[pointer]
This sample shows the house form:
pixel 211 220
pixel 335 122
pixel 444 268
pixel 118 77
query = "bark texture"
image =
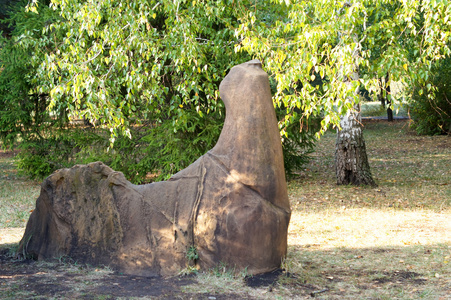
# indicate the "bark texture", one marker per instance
pixel 231 205
pixel 351 161
pixel 388 96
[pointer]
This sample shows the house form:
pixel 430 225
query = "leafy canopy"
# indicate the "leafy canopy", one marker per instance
pixel 304 40
pixel 128 65
pixel 148 71
pixel 124 61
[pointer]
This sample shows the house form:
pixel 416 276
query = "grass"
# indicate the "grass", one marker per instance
pixel 17 195
pixel 345 242
pixel 375 109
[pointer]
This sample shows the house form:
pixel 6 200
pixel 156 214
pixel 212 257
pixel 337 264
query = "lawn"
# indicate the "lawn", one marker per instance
pixel 345 242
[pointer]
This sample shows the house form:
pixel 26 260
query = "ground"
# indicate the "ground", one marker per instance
pixel 345 242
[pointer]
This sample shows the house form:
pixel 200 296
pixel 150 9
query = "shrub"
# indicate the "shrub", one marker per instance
pixel 432 115
pixel 298 143
pixel 160 149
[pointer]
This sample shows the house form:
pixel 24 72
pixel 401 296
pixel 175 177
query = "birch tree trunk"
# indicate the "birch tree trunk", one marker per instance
pixel 351 161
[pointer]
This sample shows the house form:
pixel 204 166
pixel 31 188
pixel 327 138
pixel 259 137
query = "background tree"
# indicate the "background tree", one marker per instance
pixel 306 39
pixel 351 161
pixel 22 102
pixel 152 74
pixel 147 80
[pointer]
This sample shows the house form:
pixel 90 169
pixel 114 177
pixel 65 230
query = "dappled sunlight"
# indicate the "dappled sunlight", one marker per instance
pixel 363 228
pixel 408 159
pixel 11 235
pixel 238 178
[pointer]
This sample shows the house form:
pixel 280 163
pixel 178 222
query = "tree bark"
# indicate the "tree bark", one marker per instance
pixel 380 94
pixel 351 161
pixel 387 93
pixel 389 114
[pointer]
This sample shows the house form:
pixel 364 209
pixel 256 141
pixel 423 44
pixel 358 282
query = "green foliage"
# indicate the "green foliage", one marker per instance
pixel 148 81
pixel 154 71
pixel 335 39
pixel 157 58
pixel 298 143
pixel 158 66
pixel 192 254
pixel 173 145
pixel 154 148
pixel 43 154
pixel 431 110
pixel 23 99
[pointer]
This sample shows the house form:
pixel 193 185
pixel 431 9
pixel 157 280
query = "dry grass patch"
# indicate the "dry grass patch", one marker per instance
pixel 363 228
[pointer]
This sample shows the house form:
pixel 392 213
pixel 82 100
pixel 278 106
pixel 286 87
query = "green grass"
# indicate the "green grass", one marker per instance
pixel 389 242
pixel 375 109
pixel 17 194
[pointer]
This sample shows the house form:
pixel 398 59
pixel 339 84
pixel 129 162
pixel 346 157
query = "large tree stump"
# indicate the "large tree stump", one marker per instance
pixel 231 205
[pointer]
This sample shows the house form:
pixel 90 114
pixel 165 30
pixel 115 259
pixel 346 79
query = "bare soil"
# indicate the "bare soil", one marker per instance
pixel 65 279
pixel 7 153
pixel 29 279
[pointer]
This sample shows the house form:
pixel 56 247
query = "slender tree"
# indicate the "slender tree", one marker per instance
pixel 351 161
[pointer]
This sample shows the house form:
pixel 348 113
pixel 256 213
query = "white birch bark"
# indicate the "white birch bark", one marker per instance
pixel 351 161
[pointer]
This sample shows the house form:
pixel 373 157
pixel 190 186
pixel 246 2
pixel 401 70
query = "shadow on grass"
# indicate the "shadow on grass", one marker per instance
pixel 411 272
pixel 391 272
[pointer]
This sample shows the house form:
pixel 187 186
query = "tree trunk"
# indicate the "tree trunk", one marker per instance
pixel 380 94
pixel 387 95
pixel 351 161
pixel 389 114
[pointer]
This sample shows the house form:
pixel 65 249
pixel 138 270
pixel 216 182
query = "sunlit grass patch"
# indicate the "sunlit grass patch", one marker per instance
pixel 374 108
pixel 362 228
